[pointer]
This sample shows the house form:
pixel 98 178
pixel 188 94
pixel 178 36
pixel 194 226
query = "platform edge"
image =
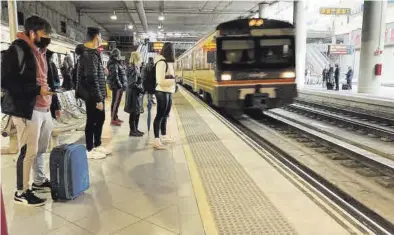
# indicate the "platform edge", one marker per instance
pixel 206 215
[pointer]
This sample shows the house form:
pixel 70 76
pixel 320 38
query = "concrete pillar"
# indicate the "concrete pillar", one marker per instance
pixel 263 10
pixel 12 19
pixel 301 32
pixel 372 40
pixel 333 36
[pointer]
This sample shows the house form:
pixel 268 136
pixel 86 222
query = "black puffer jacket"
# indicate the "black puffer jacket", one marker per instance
pixel 21 90
pixel 90 77
pixel 135 91
pixel 67 78
pixel 117 78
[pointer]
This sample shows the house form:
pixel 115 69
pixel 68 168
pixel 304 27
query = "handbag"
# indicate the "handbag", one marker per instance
pixel 9 128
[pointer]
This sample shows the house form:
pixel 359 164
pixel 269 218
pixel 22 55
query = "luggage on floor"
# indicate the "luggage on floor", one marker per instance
pixel 345 87
pixel 4 230
pixel 330 86
pixel 69 171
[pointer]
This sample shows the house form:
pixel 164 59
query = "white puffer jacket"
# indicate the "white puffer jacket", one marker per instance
pixel 165 84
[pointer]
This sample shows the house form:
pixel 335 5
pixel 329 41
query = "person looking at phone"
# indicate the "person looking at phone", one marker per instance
pixel 91 88
pixel 28 101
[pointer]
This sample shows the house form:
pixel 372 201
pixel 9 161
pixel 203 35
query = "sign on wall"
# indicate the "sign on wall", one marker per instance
pixel 335 11
pixel 340 49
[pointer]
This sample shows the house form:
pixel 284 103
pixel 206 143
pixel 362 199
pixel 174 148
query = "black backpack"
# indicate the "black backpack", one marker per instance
pixel 4 61
pixel 152 74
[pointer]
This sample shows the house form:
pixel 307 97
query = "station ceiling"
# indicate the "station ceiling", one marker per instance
pixel 184 20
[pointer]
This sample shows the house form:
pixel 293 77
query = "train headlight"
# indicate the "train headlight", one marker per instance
pixel 225 77
pixel 288 75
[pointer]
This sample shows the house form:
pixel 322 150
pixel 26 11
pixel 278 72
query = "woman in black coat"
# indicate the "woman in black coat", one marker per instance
pixel 134 94
pixel 53 83
pixel 67 70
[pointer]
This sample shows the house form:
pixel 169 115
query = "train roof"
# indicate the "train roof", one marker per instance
pixel 244 23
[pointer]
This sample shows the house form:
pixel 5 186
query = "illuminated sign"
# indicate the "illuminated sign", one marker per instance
pixel 335 11
pixel 157 46
pixel 210 46
pixel 340 49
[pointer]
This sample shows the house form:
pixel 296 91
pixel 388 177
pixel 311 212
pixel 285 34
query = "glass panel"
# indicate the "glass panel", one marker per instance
pixel 276 50
pixel 238 51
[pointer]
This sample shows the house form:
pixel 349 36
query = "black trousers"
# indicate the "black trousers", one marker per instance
pixel 164 103
pixel 134 119
pixel 94 125
pixel 116 98
pixel 349 83
pixel 337 83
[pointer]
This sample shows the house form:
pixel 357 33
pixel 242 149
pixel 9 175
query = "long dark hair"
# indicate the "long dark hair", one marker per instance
pixel 168 52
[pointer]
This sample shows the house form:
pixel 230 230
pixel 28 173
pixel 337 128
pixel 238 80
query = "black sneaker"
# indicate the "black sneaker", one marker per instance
pixel 29 199
pixel 42 188
pixel 135 134
pixel 140 132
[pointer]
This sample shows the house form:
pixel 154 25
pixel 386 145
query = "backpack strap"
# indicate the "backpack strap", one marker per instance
pixel 164 62
pixel 20 54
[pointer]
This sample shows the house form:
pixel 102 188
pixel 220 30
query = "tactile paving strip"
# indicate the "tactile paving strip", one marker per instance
pixel 237 203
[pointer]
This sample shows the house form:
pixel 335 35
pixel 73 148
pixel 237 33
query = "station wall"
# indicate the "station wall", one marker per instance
pixel 55 12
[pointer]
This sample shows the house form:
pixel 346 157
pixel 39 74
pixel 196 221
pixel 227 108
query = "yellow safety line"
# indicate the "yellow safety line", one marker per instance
pixel 199 192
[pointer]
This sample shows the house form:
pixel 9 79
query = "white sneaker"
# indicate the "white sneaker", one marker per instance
pixel 167 139
pixel 95 155
pixel 157 144
pixel 101 149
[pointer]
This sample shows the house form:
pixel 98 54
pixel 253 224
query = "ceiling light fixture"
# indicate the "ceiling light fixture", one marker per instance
pixel 161 16
pixel 130 26
pixel 114 17
pixel 160 26
pixel 178 35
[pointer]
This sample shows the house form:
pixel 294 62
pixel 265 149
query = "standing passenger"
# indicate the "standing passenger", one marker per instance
pixel 28 100
pixel 91 88
pixel 149 78
pixel 337 75
pixel 349 77
pixel 53 83
pixel 166 86
pixel 134 94
pixel 117 82
pixel 66 71
pixel 324 76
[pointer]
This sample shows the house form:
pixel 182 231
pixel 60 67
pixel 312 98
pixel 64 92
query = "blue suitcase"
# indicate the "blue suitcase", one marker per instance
pixel 69 171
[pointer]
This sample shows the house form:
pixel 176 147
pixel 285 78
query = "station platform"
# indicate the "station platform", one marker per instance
pixel 210 181
pixel 382 104
pixel 386 96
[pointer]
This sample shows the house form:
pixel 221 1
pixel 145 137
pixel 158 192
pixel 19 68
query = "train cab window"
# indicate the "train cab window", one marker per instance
pixel 238 51
pixel 276 51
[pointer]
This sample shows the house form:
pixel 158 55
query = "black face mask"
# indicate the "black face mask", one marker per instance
pixel 43 43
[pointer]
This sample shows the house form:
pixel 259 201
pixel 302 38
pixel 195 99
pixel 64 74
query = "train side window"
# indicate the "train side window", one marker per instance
pixel 63 27
pixel 211 57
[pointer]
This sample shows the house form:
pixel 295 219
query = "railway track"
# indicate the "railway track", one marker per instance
pixel 313 156
pixel 373 126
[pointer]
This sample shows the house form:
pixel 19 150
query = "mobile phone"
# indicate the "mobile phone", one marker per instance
pixel 59 90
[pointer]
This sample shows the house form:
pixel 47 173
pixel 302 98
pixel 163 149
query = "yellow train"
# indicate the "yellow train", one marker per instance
pixel 244 64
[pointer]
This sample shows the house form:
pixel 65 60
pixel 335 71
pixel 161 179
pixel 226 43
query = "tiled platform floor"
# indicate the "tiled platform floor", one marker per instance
pixel 133 191
pixel 140 191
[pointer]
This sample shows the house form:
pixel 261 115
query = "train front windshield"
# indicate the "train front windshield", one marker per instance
pixel 255 53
